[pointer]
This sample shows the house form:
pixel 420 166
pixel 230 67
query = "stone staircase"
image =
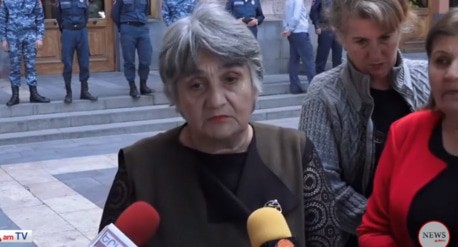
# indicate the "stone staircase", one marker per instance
pixel 115 115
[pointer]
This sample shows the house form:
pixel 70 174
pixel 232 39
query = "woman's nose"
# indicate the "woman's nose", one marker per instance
pixel 216 98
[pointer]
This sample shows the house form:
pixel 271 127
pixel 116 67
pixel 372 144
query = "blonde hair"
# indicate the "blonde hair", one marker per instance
pixel 389 14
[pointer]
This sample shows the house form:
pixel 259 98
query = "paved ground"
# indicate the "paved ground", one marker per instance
pixel 58 188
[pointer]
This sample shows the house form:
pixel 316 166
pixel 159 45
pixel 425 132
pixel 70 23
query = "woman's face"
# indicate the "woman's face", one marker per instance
pixel 443 73
pixel 217 100
pixel 371 49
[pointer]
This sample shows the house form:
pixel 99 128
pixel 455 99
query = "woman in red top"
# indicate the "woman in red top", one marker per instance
pixel 415 198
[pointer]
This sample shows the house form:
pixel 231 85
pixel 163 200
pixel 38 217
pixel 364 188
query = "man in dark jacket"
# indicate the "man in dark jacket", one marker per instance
pixel 326 36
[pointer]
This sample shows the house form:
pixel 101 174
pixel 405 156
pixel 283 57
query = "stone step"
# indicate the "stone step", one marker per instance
pixel 127 127
pixel 28 109
pixel 118 115
pixel 89 146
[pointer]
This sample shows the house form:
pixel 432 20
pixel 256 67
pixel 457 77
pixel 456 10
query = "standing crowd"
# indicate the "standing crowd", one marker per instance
pixel 22 32
pixel 374 159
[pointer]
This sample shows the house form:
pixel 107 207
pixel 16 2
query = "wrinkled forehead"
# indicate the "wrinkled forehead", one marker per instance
pixel 195 63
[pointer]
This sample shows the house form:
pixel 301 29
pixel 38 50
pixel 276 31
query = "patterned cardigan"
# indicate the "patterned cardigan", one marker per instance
pixel 336 116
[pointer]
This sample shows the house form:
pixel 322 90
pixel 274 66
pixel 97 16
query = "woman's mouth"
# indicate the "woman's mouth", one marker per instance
pixel 219 118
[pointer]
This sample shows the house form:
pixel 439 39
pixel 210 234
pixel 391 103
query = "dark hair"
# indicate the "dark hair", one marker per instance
pixel 447 26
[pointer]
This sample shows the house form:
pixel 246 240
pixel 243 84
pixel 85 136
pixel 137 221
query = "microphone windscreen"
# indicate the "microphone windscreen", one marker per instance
pixel 266 224
pixel 138 222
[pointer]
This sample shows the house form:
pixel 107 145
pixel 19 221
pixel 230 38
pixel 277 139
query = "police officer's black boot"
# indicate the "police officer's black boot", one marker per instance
pixel 35 97
pixel 144 89
pixel 85 92
pixel 133 90
pixel 68 95
pixel 14 97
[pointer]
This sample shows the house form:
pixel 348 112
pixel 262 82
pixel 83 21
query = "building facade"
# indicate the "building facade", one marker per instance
pixel 105 49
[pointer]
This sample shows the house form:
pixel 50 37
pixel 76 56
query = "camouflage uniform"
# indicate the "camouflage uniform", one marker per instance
pixel 173 10
pixel 21 25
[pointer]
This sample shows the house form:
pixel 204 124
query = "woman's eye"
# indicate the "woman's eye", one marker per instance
pixel 231 79
pixel 385 38
pixel 195 85
pixel 361 42
pixel 442 61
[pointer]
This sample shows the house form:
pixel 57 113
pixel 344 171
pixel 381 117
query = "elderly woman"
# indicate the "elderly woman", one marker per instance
pixel 416 188
pixel 348 110
pixel 206 176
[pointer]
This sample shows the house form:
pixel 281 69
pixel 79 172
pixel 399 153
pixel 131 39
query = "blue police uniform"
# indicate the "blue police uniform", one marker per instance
pixel 130 17
pixel 173 10
pixel 21 26
pixel 246 9
pixel 72 17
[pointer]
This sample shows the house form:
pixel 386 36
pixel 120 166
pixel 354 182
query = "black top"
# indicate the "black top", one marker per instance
pixel 438 200
pixel 389 106
pixel 226 167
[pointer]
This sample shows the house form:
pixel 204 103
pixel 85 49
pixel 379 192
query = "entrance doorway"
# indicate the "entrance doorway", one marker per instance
pixel 101 39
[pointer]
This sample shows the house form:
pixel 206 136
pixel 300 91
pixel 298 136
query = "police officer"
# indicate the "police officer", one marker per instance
pixel 72 17
pixel 21 32
pixel 173 10
pixel 327 39
pixel 248 11
pixel 131 16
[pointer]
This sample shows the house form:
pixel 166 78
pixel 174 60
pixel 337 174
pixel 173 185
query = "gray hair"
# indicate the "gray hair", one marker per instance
pixel 210 28
pixel 389 14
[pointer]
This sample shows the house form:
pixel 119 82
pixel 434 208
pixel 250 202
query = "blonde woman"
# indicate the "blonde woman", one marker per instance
pixel 347 111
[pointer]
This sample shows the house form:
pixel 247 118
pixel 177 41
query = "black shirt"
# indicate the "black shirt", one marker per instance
pixel 226 167
pixel 438 200
pixel 389 106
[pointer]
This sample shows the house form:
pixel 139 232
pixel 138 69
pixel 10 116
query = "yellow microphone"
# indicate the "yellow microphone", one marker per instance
pixel 268 228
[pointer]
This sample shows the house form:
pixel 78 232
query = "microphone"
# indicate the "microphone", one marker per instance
pixel 134 227
pixel 268 228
